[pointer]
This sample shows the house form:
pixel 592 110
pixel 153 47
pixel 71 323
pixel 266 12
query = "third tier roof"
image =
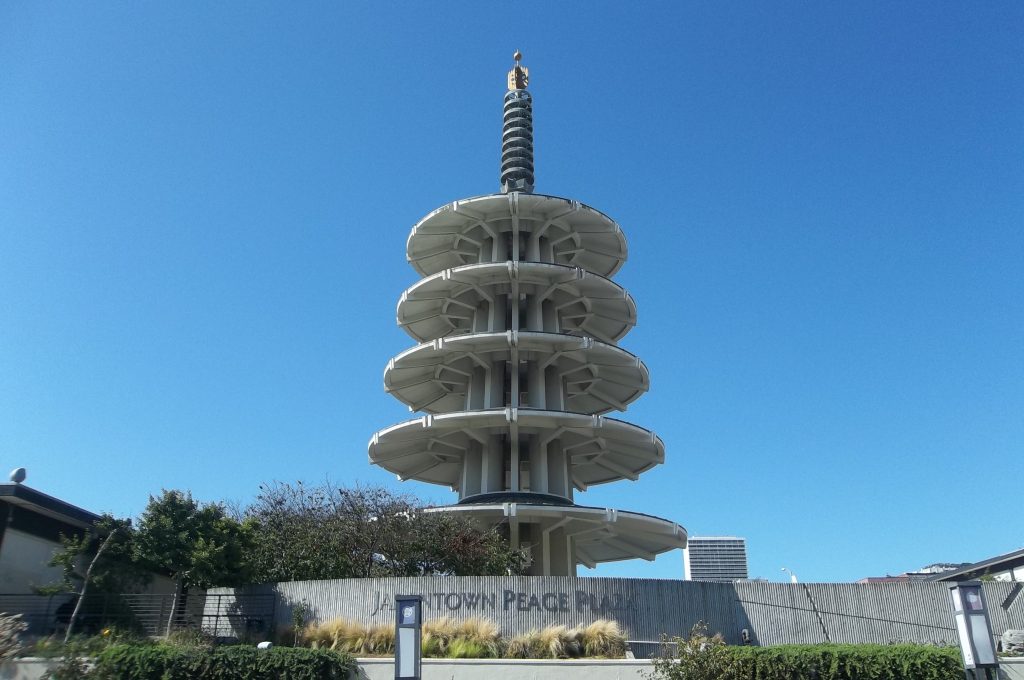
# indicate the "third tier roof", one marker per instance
pixel 598 377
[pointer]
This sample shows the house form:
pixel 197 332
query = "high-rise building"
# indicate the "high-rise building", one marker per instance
pixel 715 558
pixel 518 319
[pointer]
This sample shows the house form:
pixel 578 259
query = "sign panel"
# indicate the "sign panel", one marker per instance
pixel 408 620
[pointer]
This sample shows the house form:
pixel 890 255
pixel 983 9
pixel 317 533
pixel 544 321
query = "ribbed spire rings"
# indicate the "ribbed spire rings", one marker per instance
pixel 517 133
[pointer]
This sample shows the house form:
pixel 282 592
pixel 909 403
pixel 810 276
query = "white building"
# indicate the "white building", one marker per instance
pixel 31 524
pixel 518 322
pixel 1007 567
pixel 715 558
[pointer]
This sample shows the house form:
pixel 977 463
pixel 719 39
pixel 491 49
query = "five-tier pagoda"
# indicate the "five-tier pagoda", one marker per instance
pixel 517 365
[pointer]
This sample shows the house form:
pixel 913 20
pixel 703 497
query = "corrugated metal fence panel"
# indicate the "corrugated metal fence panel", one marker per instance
pixel 1006 604
pixel 849 612
pixel 886 612
pixel 773 613
pixel 778 613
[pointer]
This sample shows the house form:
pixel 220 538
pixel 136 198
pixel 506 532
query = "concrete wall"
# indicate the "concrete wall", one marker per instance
pixel 773 613
pixel 27 669
pixel 469 669
pixel 500 669
pixel 23 560
pixel 433 669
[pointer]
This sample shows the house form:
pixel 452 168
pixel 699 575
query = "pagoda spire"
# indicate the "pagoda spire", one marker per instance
pixel 517 132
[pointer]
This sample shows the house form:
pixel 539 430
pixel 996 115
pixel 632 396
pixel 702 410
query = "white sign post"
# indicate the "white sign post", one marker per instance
pixel 408 621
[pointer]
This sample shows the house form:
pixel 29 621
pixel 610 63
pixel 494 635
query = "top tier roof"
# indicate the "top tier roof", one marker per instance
pixel 458 233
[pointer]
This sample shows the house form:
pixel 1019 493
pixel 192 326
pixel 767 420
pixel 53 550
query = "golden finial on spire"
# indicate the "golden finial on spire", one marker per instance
pixel 519 76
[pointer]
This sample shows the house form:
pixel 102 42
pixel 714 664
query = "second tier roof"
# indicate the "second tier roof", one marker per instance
pixel 587 304
pixel 433 448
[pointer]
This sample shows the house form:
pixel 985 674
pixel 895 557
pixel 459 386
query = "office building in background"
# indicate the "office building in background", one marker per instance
pixel 715 558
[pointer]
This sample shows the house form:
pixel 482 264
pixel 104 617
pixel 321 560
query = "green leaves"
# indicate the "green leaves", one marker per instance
pixel 325 532
pixel 117 570
pixel 199 544
pixel 221 663
pixel 702 658
pixel 289 533
pixel 698 657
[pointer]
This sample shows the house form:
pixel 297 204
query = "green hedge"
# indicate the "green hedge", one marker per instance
pixel 848 662
pixel 166 662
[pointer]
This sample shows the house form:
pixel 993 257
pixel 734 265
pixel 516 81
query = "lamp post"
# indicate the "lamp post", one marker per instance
pixel 792 576
pixel 973 629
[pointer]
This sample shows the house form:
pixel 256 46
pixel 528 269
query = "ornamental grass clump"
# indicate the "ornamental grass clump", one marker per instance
pixel 550 643
pixel 603 638
pixel 484 635
pixel 438 635
pixel 337 634
pixel 315 635
pixel 522 646
pixel 379 640
pixel 476 638
pixel 463 648
pixel 342 635
pixel 556 642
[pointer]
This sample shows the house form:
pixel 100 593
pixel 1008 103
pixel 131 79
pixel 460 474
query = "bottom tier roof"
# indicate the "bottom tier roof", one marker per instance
pixel 599 534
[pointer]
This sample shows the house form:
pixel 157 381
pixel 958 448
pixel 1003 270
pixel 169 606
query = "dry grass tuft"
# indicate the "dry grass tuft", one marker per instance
pixel 338 634
pixel 316 635
pixel 481 632
pixel 603 638
pixel 347 636
pixel 554 642
pixel 430 646
pixel 380 640
pixel 464 648
pixel 522 646
pixel 472 638
pixel 438 635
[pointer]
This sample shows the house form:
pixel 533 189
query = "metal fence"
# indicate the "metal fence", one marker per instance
pixel 145 614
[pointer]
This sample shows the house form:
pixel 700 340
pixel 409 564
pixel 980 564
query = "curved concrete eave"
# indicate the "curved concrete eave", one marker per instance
pixel 433 448
pixel 600 534
pixel 435 376
pixel 443 304
pixel 452 235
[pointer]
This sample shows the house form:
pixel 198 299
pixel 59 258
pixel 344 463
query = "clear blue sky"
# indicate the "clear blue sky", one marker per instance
pixel 204 207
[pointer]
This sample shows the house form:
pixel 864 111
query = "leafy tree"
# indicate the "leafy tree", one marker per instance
pixel 199 545
pixel 447 543
pixel 115 569
pixel 107 552
pixel 328 532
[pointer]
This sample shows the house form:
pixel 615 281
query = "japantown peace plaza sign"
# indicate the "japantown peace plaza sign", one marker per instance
pixel 772 613
pixel 607 604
